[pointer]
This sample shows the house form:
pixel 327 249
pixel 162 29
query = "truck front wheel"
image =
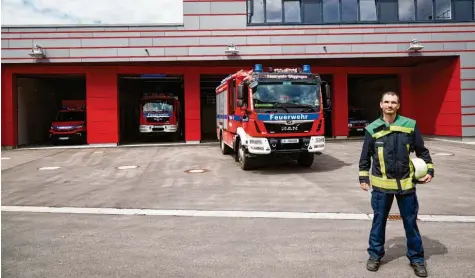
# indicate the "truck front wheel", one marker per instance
pixel 244 162
pixel 305 159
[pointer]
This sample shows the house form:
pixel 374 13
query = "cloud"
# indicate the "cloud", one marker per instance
pixel 86 12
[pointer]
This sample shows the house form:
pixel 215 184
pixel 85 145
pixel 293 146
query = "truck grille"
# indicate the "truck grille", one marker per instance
pixel 157 120
pixel 283 128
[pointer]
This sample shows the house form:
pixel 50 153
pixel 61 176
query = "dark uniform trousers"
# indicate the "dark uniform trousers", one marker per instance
pixel 408 207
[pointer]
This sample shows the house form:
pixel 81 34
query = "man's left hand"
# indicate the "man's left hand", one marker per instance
pixel 426 179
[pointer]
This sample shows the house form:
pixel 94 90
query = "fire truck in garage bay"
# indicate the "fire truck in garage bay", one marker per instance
pixel 159 113
pixel 278 112
pixel 70 123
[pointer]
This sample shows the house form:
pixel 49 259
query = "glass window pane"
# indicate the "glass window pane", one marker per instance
pixel 424 10
pixel 258 14
pixel 464 9
pixel 331 10
pixel 367 10
pixel 292 11
pixel 407 10
pixel 349 10
pixel 387 10
pixel 443 10
pixel 312 11
pixel 274 11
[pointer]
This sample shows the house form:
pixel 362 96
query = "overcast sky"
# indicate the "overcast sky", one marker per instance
pixel 74 12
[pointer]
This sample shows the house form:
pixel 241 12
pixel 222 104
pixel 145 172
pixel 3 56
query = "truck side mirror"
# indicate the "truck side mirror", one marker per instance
pixel 241 95
pixel 240 103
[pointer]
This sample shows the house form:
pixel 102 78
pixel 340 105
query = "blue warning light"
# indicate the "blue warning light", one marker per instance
pixel 306 69
pixel 257 68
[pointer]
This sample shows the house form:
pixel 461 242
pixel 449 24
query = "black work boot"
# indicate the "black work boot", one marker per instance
pixel 372 264
pixel 419 269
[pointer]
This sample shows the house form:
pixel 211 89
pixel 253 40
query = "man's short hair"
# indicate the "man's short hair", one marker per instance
pixel 390 93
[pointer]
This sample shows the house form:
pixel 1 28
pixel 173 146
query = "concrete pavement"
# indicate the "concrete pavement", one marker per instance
pixel 81 245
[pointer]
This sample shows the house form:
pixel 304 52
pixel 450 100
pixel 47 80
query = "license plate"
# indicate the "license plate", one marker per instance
pixel 359 129
pixel 289 141
pixel 63 138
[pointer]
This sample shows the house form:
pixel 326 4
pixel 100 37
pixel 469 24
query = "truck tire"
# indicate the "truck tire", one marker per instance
pixel 244 162
pixel 305 159
pixel 225 149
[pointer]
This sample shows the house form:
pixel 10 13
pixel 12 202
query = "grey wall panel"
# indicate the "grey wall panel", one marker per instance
pixel 468 120
pixel 455 46
pixel 293 49
pixel 468 131
pixel 192 22
pixel 197 8
pixel 141 42
pixel 5 44
pixel 176 51
pixel 104 42
pixel 468 84
pixel 468 98
pixel 451 36
pixel 222 40
pixel 467 73
pixel 374 48
pixel 467 59
pixel 470 110
pixel 45 43
pixel 293 39
pixel 57 53
pixel 258 40
pixel 152 59
pixel 408 37
pixel 103 52
pixel 228 7
pixel 176 41
pixel 330 48
pixel 222 22
pixel 20 43
pixel 140 52
pixel 190 33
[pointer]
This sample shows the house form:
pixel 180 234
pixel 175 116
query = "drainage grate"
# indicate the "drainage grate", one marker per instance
pixel 394 217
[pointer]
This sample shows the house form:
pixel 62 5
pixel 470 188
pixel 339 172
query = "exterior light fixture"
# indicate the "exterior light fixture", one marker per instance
pixel 37 52
pixel 231 50
pixel 415 45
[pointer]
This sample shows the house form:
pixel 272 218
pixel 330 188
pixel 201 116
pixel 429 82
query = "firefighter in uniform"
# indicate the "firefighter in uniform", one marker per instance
pixel 388 142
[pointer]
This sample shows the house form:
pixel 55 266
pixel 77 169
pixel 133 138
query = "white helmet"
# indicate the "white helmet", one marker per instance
pixel 420 168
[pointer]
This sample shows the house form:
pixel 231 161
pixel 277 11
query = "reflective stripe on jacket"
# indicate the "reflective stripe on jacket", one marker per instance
pixel 389 147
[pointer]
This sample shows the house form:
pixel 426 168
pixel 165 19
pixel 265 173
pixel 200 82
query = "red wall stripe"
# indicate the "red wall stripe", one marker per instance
pixel 255 44
pixel 242 56
pixel 239 35
pixel 250 28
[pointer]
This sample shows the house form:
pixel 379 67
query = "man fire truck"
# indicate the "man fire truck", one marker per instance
pixel 70 123
pixel 159 114
pixel 271 113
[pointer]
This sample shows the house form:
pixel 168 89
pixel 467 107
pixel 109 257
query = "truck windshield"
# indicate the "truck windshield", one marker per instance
pixel 158 106
pixel 67 116
pixel 290 94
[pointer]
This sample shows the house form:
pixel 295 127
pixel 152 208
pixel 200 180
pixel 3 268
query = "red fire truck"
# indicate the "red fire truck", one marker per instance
pixel 278 112
pixel 70 123
pixel 159 113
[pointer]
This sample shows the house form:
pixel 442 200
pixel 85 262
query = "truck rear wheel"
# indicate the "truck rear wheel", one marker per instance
pixel 305 159
pixel 244 162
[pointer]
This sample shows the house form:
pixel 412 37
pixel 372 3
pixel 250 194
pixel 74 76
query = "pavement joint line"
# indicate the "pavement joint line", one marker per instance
pixel 228 213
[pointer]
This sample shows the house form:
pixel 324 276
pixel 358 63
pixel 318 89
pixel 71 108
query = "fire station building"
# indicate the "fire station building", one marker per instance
pixel 422 49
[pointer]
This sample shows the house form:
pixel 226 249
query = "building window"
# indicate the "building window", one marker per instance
pixel 292 12
pixel 349 11
pixel 274 12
